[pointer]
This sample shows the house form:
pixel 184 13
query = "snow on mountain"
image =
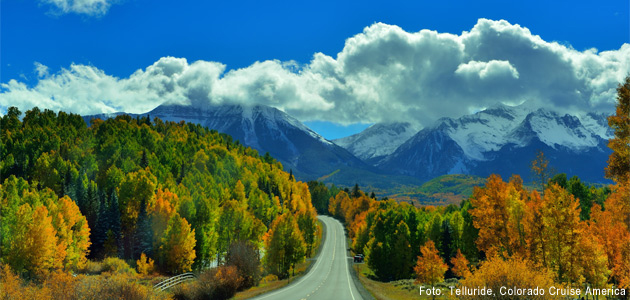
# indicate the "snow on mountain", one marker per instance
pixel 491 129
pixel 501 139
pixel 377 140
pixel 485 131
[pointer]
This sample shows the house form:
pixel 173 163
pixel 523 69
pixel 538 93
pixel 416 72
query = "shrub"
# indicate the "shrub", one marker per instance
pixel 64 286
pixel 114 287
pixel 269 278
pixel 144 265
pixel 217 283
pixel 93 267
pixel 185 291
pixel 228 281
pixel 60 285
pixel 514 272
pixel 116 265
pixel 10 284
pixel 243 255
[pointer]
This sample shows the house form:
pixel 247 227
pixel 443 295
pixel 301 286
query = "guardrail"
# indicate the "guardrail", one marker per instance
pixel 173 281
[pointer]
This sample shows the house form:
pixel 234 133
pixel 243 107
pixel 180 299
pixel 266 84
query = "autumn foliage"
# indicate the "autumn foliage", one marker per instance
pixel 40 232
pixel 461 266
pixel 498 272
pixel 175 194
pixel 430 267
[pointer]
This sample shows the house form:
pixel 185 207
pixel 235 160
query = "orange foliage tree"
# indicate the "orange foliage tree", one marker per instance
pixel 499 214
pixel 430 267
pixel 611 230
pixel 461 266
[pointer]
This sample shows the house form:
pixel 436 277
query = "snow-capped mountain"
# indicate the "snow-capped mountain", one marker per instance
pixel 265 129
pixel 378 140
pixel 504 140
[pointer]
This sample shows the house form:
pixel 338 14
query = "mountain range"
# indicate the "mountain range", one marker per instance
pixel 501 139
pixel 504 140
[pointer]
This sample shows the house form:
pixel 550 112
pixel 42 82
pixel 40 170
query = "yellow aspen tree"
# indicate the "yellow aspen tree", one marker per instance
pixel 178 246
pixel 40 242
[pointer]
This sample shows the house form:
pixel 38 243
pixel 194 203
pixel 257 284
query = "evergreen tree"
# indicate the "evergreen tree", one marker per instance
pixel 143 236
pixel 114 229
pixel 144 161
pixel 434 231
pixel 446 250
pixel 582 193
pixel 356 192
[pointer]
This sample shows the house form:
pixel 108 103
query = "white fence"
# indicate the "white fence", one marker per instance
pixel 173 281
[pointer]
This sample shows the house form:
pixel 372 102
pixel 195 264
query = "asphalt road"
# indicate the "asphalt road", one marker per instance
pixel 329 278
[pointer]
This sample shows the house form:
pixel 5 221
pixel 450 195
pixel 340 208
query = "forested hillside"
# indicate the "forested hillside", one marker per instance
pixel 178 193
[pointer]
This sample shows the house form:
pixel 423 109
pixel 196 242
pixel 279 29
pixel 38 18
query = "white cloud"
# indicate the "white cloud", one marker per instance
pixel 381 74
pixel 86 7
pixel 483 70
pixel 42 71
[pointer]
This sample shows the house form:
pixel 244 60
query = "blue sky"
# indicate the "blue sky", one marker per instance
pixel 121 37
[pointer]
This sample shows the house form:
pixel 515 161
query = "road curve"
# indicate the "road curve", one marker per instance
pixel 329 278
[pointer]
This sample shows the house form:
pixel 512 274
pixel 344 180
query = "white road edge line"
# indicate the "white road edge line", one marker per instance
pixel 347 271
pixel 308 275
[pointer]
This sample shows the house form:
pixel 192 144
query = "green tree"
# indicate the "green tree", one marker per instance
pixel 307 223
pixel 402 254
pixel 178 246
pixel 285 246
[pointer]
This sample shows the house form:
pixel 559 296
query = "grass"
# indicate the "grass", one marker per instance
pixel 261 289
pixel 394 290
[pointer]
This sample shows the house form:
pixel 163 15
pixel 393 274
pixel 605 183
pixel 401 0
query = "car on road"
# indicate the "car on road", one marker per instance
pixel 359 258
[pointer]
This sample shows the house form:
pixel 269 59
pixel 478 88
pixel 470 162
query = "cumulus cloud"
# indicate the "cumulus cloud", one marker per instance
pixel 85 7
pixel 483 70
pixel 382 74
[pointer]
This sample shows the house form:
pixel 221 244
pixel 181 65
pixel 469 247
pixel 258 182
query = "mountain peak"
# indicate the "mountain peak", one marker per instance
pixel 378 140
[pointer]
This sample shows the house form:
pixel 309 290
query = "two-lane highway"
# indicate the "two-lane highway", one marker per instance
pixel 329 278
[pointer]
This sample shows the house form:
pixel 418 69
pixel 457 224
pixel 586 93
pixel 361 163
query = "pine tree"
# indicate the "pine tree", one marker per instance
pixel 356 192
pixel 144 161
pixel 143 235
pixel 113 245
pixel 447 240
